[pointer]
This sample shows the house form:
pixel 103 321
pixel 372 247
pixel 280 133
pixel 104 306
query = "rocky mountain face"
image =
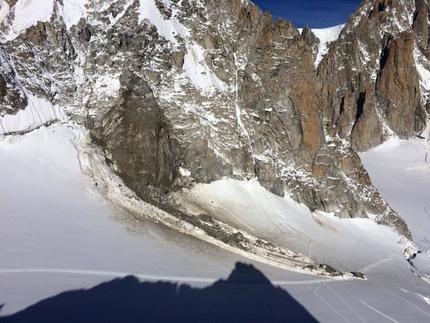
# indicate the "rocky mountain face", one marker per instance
pixel 374 74
pixel 183 91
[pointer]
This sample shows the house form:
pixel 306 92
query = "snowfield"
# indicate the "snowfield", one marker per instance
pixel 59 233
pixel 400 170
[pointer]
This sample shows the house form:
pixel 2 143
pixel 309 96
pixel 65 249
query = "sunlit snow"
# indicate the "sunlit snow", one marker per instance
pixel 28 12
pixel 326 36
pixel 73 11
pixel 59 233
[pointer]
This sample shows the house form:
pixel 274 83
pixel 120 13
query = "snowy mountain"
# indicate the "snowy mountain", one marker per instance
pixel 380 60
pixel 319 40
pixel 175 140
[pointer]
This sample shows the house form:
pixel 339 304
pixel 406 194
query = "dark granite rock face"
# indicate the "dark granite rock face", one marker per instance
pixel 137 138
pixel 311 40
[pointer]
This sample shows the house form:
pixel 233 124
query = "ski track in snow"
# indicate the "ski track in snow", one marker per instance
pixel 372 308
pixel 379 263
pixel 147 277
pixel 330 306
pixel 379 312
pixel 401 298
pixel 343 301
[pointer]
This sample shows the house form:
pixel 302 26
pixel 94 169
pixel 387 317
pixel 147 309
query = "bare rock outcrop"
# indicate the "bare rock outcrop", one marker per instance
pixel 311 40
pixel 371 86
pixel 397 86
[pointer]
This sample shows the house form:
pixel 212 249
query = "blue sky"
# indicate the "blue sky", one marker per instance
pixel 315 13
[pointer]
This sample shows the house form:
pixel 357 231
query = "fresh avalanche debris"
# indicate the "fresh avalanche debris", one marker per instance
pixel 190 80
pixel 58 228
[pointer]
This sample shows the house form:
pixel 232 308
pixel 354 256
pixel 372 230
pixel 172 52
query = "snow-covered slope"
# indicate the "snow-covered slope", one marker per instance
pixel 400 169
pixel 26 13
pixel 123 68
pixel 326 36
pixel 319 235
pixel 58 233
pixel 37 113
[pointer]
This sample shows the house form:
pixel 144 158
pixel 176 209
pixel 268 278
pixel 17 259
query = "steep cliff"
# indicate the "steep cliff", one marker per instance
pixel 183 92
pixel 374 76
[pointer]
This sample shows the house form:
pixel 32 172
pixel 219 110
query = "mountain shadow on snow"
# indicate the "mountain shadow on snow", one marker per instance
pixel 246 296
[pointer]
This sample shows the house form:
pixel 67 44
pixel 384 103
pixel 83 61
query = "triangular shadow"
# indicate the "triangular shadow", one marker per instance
pixel 246 296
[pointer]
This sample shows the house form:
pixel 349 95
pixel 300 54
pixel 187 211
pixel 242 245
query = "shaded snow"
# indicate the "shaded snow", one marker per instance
pixel 422 64
pixel 38 112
